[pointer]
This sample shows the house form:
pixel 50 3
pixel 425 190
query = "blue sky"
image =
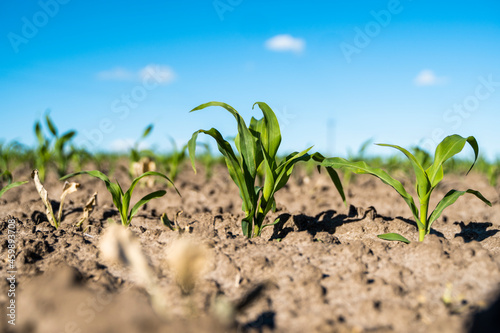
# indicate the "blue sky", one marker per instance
pixel 336 72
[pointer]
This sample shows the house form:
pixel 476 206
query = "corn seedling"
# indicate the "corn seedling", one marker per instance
pixel 52 150
pixel 141 160
pixel 426 181
pixel 174 160
pixel 257 145
pixel 121 199
pixel 493 172
pixel 208 160
pixel 9 153
pixel 80 157
pixel 490 170
pixel 174 225
pixel 67 189
pixel 135 152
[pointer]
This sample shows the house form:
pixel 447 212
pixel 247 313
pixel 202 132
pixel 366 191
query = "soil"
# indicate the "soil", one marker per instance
pixel 320 269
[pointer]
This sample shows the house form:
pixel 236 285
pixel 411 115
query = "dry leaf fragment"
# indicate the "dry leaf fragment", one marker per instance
pixel 88 209
pixel 45 198
pixel 67 189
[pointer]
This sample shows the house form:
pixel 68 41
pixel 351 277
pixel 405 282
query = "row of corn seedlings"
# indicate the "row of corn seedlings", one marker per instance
pixel 257 170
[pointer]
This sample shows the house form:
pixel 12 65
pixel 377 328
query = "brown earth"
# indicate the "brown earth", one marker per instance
pixel 321 269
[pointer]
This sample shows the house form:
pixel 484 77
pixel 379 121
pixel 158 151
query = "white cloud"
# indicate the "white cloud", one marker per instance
pixel 286 43
pixel 427 77
pixel 124 145
pixel 118 73
pixel 160 73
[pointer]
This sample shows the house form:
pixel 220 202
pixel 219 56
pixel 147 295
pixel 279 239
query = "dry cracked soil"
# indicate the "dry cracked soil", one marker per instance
pixel 320 269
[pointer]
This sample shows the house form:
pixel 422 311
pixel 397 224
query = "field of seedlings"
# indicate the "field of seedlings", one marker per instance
pixel 246 239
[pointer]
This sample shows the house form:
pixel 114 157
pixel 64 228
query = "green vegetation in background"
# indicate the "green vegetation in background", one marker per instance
pixel 52 149
pixel 173 162
pixel 135 152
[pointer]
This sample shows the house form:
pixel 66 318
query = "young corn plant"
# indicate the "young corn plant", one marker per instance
pixel 209 161
pixel 11 155
pixel 142 161
pixel 173 161
pixel 53 150
pixel 121 199
pixel 136 153
pixel 7 152
pixel 426 181
pixel 490 169
pixel 80 157
pixel 257 145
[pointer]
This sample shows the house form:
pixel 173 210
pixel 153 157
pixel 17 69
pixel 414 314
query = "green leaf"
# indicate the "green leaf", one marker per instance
pixel 128 195
pixel 423 183
pixel 393 237
pixel 192 149
pixel 166 222
pixel 333 175
pixel 59 145
pixel 270 131
pixel 39 134
pixel 246 141
pixel 256 128
pixel 269 182
pixel 122 200
pixel 94 173
pixel 51 126
pixel 147 131
pixel 237 172
pixel 285 168
pixel 134 155
pixel 448 200
pixel 10 186
pixel 362 168
pixel 271 224
pixel 449 147
pixel 114 189
pixel 143 201
pixel 246 225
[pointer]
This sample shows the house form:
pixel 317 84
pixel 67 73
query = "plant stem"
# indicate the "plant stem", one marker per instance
pixel 256 231
pixel 421 235
pixel 424 206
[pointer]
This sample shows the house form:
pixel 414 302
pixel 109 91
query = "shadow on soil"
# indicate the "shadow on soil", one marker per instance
pixel 325 221
pixel 475 231
pixel 328 222
pixel 488 320
pixel 264 321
